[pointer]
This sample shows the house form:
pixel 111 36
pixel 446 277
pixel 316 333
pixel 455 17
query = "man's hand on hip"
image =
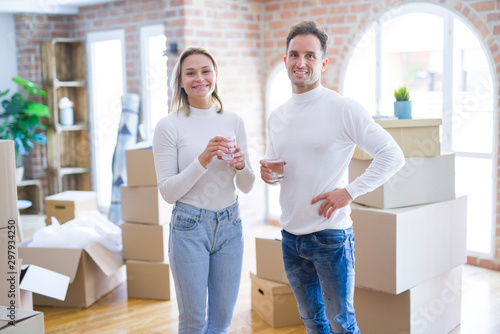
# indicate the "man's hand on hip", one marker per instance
pixel 333 200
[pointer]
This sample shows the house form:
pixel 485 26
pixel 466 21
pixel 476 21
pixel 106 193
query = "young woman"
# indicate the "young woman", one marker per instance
pixel 206 240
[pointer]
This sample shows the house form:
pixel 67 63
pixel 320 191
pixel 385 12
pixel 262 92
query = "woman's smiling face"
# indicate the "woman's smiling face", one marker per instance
pixel 198 79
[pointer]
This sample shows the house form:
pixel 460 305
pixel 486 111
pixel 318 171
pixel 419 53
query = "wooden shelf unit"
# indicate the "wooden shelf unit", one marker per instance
pixel 68 146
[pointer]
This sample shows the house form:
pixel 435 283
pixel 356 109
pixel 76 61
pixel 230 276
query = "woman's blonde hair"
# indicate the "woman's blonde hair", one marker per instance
pixel 180 101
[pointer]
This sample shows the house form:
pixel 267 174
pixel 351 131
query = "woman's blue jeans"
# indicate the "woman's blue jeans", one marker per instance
pixel 206 254
pixel 320 270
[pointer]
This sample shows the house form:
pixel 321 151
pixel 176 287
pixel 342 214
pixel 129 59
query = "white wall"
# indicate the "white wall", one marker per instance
pixel 8 61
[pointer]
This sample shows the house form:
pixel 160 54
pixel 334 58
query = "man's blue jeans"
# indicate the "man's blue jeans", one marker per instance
pixel 320 270
pixel 206 253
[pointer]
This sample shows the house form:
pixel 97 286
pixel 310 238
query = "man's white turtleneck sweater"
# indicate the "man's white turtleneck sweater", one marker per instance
pixel 179 140
pixel 316 133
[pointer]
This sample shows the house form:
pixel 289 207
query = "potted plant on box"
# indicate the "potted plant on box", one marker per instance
pixel 21 120
pixel 402 106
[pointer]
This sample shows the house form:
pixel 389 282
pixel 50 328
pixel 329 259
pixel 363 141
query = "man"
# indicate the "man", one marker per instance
pixel 315 133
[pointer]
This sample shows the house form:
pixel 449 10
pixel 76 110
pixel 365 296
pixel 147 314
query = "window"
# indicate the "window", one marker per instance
pixel 154 78
pixel 107 85
pixel 279 90
pixel 449 75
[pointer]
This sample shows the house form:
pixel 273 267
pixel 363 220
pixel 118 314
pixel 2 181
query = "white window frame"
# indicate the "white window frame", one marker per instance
pixel 93 37
pixel 146 120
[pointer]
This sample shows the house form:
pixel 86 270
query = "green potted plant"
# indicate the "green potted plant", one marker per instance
pixel 21 120
pixel 402 106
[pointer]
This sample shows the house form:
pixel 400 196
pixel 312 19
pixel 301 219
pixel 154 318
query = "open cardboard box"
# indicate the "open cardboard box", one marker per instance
pixel 94 271
pixel 27 322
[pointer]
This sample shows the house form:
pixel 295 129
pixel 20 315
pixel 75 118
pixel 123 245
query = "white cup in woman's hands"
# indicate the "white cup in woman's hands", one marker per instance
pixel 231 140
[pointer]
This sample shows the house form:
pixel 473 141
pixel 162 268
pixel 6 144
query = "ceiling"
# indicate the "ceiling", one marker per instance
pixel 46 6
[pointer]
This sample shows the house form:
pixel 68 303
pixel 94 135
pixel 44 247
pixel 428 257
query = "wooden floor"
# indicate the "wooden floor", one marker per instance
pixel 115 314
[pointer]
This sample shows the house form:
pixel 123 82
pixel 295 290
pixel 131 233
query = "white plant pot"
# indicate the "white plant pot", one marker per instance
pixel 19 174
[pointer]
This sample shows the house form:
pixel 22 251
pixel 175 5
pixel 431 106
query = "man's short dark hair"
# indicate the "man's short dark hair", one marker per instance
pixel 307 28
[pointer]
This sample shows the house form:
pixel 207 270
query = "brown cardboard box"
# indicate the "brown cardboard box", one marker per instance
pixel 274 302
pixel 145 242
pixel 431 307
pixel 66 205
pixel 27 322
pixel 148 280
pixel 140 166
pixel 94 271
pixel 269 258
pixel 398 249
pixel 9 268
pixel 415 137
pixel 144 205
pixel 421 180
pixel 8 189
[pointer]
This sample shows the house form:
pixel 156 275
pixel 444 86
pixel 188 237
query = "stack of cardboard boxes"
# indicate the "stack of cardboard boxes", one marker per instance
pixel 410 238
pixel 410 244
pixel 18 282
pixel 272 297
pixel 145 229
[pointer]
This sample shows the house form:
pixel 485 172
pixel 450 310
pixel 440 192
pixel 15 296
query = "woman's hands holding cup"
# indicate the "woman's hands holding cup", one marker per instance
pixel 220 146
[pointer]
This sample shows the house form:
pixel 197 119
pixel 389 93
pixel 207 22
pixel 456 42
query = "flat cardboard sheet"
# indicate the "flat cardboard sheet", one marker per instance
pixel 45 282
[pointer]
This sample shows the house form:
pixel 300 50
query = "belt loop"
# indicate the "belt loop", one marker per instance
pixel 229 214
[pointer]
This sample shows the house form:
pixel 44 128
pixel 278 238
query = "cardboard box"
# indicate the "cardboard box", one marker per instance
pixel 269 258
pixel 66 205
pixel 9 268
pixel 421 180
pixel 144 205
pixel 274 302
pixel 431 307
pixel 26 322
pixel 94 271
pixel 8 188
pixel 415 137
pixel 148 280
pixel 145 242
pixel 140 166
pixel 400 248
